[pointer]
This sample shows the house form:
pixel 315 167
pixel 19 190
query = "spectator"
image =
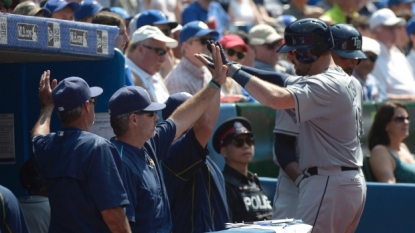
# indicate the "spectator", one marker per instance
pixel 4 5
pixel 392 69
pixel 390 159
pixel 84 165
pixel 243 13
pixel 300 9
pixel 343 11
pixel 368 8
pixel 143 144
pixel 145 56
pixel 400 5
pixel 190 75
pixel 171 8
pixel 410 29
pixel 264 39
pixel 88 9
pixel 362 71
pixel 122 39
pixel 326 4
pixel 235 141
pixel 207 11
pixel 124 14
pixel 190 174
pixel 158 19
pixel 12 219
pixel 30 9
pixel 176 35
pixel 35 206
pixel 60 9
pixel 361 23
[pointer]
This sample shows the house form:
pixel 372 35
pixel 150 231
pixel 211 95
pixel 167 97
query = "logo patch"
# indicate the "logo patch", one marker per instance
pixel 27 32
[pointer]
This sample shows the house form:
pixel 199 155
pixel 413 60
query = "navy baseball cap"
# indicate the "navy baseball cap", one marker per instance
pixel 173 102
pixel 57 5
pixel 154 17
pixel 397 2
pixel 230 129
pixel 87 9
pixel 197 29
pixel 131 98
pixel 72 92
pixel 121 12
pixel 410 26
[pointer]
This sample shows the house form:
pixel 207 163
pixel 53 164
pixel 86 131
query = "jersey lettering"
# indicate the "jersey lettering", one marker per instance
pixel 257 202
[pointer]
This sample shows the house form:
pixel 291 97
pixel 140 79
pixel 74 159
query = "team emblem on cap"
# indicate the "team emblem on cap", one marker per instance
pixel 238 126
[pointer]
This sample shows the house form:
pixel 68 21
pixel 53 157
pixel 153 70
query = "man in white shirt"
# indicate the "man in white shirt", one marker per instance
pixel 145 56
pixel 392 69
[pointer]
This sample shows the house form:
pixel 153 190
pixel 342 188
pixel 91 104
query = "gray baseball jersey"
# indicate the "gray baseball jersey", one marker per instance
pixel 328 108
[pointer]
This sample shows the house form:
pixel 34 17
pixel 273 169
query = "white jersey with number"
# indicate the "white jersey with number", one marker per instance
pixel 328 107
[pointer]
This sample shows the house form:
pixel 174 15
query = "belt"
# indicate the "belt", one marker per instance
pixel 314 170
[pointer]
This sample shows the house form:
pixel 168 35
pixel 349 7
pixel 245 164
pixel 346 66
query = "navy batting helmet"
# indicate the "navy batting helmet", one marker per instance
pixel 309 37
pixel 347 41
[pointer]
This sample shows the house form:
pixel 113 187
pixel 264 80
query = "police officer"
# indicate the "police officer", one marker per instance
pixel 246 199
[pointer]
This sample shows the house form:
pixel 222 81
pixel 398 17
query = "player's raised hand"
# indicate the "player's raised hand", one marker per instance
pixel 45 89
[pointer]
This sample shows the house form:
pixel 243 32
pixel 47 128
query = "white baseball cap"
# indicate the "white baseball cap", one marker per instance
pixel 151 32
pixel 263 34
pixel 385 17
pixel 370 45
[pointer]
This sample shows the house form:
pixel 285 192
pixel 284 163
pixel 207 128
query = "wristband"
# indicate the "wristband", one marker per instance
pixel 214 84
pixel 241 77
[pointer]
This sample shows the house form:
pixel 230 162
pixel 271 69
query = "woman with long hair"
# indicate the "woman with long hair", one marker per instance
pixel 390 159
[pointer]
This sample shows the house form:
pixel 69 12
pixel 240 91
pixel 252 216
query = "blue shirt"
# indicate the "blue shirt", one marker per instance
pixel 195 12
pixel 195 186
pixel 149 210
pixel 128 77
pixel 11 216
pixel 81 170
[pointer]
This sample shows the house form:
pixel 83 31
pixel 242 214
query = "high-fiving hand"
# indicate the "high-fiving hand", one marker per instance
pixel 215 63
pixel 45 89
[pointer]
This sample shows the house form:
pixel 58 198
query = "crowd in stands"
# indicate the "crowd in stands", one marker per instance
pixel 159 40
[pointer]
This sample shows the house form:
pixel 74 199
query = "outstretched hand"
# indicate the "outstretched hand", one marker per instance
pixel 215 63
pixel 45 89
pixel 222 52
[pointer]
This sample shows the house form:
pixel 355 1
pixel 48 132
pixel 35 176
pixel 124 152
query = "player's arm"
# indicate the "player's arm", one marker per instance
pixel 42 125
pixel 285 151
pixel 277 78
pixel 116 220
pixel 187 113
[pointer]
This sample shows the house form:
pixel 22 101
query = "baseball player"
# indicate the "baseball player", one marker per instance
pixel 332 189
pixel 347 54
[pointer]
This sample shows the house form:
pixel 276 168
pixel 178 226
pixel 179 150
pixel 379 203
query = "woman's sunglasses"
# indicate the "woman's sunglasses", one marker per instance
pixel 401 119
pixel 232 52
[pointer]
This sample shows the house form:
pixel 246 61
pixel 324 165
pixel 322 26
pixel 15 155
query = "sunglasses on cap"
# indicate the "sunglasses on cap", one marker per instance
pixel 159 51
pixel 274 45
pixel 232 52
pixel 142 112
pixel 239 142
pixel 401 119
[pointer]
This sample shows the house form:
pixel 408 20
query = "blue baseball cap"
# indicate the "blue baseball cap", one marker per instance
pixel 57 5
pixel 88 9
pixel 410 26
pixel 196 29
pixel 131 98
pixel 154 17
pixel 173 102
pixel 397 2
pixel 72 92
pixel 121 12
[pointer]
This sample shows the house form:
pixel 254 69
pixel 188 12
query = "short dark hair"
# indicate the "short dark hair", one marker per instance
pixel 70 116
pixel 108 18
pixel 384 114
pixel 360 22
pixel 119 124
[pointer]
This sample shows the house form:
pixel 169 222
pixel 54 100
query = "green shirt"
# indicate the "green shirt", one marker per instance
pixel 336 15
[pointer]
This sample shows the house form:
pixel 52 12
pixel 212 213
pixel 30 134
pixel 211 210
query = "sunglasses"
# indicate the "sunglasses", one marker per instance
pixel 274 46
pixel 203 41
pixel 401 119
pixel 239 142
pixel 159 51
pixel 372 58
pixel 93 100
pixel 142 112
pixel 166 32
pixel 232 52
